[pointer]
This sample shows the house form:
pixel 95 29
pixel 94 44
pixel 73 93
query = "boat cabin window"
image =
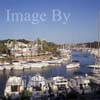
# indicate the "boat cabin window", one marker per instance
pixel 61 87
pixel 14 88
pixel 37 88
pixel 84 84
pixel 81 86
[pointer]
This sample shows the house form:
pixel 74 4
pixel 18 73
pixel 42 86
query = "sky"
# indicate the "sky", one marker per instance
pixel 59 21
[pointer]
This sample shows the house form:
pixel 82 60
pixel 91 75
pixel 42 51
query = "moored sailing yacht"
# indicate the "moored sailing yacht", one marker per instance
pixel 95 68
pixel 73 64
pixel 14 87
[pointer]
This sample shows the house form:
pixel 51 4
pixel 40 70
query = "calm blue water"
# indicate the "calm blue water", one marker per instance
pixel 84 58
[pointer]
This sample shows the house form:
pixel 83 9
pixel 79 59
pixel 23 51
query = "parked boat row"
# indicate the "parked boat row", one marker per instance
pixel 38 86
pixel 21 65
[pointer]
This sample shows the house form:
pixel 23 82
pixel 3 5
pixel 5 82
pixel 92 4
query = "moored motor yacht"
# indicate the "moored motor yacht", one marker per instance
pixel 1 67
pixel 95 68
pixel 14 87
pixel 73 64
pixel 36 65
pixel 17 67
pixel 80 84
pixel 37 86
pixel 58 84
pixel 26 66
pixel 8 67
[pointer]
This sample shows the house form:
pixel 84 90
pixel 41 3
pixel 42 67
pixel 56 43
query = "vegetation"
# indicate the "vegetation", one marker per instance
pixel 94 44
pixel 4 49
pixel 23 40
pixel 44 46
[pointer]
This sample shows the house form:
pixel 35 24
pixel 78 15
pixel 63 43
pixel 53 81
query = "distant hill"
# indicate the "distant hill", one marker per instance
pixel 19 40
pixel 90 44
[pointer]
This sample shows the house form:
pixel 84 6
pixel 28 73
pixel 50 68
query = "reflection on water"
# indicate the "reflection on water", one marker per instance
pixel 84 59
pixel 72 70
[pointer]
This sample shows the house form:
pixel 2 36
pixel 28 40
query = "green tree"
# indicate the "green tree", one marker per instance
pixel 3 49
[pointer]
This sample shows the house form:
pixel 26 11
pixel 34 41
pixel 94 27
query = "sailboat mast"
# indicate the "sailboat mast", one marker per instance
pixel 98 33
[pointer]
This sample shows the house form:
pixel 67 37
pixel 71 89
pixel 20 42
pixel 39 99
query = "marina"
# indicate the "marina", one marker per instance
pixel 50 50
pixel 55 79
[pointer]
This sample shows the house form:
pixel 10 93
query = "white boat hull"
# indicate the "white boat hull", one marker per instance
pixel 14 86
pixel 73 65
pixel 95 68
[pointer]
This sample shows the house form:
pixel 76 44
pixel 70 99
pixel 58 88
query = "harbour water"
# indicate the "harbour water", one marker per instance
pixel 84 58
